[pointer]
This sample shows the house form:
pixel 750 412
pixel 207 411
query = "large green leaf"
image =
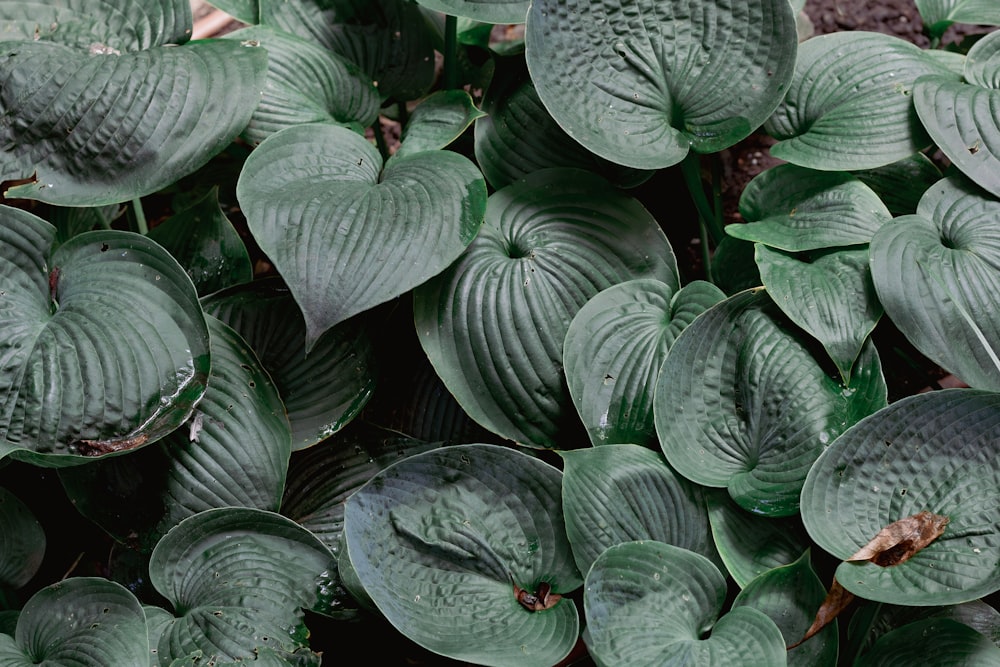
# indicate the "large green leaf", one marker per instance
pixel 316 191
pixel 934 641
pixel 323 391
pixel 238 580
pixel 103 128
pixel 438 121
pixel 932 452
pixel 743 402
pixel 939 14
pixel 623 493
pixel 493 324
pixel 613 351
pixel 640 82
pixel 795 209
pixel 105 347
pixel 233 453
pixel 873 620
pixel 849 105
pixel 84 622
pixel 938 275
pixel 22 542
pixel 306 84
pixel 123 25
pixel 489 11
pixel 444 541
pixel 649 603
pixel 900 185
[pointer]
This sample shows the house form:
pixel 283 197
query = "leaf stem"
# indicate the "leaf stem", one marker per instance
pixel 139 216
pixel 450 74
pixel 383 148
pixel 691 169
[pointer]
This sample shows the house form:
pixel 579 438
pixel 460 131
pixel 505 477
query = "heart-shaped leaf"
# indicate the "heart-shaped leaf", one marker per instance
pixel 464 551
pixel 744 403
pixel 22 542
pixel 314 191
pixel 642 83
pixel 306 84
pixel 550 243
pixel 238 580
pixel 488 11
pixel 929 452
pixel 323 391
pixel 949 253
pixel 623 493
pixel 613 351
pixel 98 129
pixel 900 185
pixel 831 296
pixel 85 621
pixel 105 347
pixel 849 105
pixel 649 603
pixel 795 209
pixel 875 620
pixel 233 453
pixel 438 121
pixel 939 14
pixel 948 641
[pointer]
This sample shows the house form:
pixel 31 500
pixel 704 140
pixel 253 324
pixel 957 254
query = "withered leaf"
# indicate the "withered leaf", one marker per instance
pixel 540 600
pixel 894 544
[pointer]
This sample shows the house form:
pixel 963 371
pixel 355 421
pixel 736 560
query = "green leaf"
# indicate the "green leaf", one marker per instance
pixel 316 191
pixel 306 84
pixel 926 452
pixel 939 14
pixel 744 403
pixel 831 296
pixel 901 184
pixel 232 452
pixel 75 220
pixel 790 595
pixel 489 11
pixel 22 542
pixel 443 540
pixel 849 105
pixel 750 544
pixel 614 349
pixel 795 209
pixel 246 11
pixel 105 347
pixel 238 580
pixel 935 641
pixel 323 391
pixel 885 618
pixel 734 268
pixel 203 240
pixel 92 129
pixel 438 121
pixel 949 254
pixel 85 621
pixel 623 493
pixel 518 136
pixel 649 603
pixel 639 83
pixel 124 25
pixel 550 243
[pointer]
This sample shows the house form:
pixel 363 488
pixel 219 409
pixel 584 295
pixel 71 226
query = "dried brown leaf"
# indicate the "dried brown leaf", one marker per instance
pixel 836 601
pixel 900 541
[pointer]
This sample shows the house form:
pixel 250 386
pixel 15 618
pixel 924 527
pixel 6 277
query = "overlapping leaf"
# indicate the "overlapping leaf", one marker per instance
pixel 900 185
pixel 437 121
pixel 950 642
pixel 939 14
pixel 22 542
pixel 493 324
pixel 105 347
pixel 489 11
pixel 642 83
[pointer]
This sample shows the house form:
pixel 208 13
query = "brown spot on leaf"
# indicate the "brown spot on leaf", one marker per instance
pixel 540 600
pixel 100 447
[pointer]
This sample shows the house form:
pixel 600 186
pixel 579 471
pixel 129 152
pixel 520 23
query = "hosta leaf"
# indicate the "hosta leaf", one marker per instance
pixel 939 14
pixel 789 595
pixel 444 540
pixel 949 253
pixel 623 493
pixel 831 296
pixel 105 347
pixel 75 220
pixel 316 191
pixel 640 83
pixel 849 105
pixel 750 544
pixel 124 25
pixel 238 579
pixel 493 324
pixel 900 185
pixel 795 209
pixel 22 542
pixel 649 603
pixel 614 349
pixel 85 621
pixel 885 618
pixel 518 136
pixel 438 121
pixel 323 391
pixel 948 642
pixel 928 452
pixel 744 403
pixel 246 11
pixel 233 452
pixel 306 84
pixel 490 11
pixel 203 240
pixel 99 129
pixel 734 268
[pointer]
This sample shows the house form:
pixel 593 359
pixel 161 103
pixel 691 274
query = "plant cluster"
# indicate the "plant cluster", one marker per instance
pixel 565 452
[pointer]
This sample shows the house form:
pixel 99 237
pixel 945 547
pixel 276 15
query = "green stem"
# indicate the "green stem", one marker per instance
pixel 691 169
pixel 718 222
pixel 450 73
pixel 140 217
pixel 706 254
pixel 383 148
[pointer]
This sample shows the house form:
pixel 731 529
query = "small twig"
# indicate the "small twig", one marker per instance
pixel 73 566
